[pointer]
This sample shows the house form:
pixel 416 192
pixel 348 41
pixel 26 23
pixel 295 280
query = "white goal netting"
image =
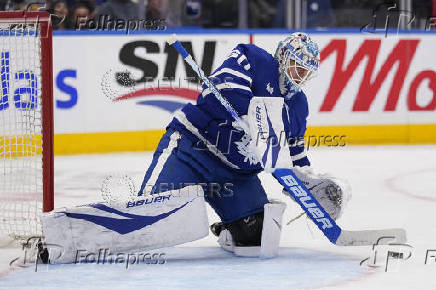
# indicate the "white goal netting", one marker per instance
pixel 21 181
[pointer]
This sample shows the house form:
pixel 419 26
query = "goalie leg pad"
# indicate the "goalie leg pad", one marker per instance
pixel 272 229
pixel 146 223
pixel 254 236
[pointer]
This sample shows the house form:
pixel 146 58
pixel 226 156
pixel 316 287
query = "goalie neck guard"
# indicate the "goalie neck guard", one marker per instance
pixel 298 58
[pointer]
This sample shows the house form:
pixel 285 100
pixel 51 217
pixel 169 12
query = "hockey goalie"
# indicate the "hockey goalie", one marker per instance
pixel 203 157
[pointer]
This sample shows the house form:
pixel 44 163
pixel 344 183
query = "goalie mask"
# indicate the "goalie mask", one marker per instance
pixel 298 57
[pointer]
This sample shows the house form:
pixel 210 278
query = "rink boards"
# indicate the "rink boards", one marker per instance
pixel 117 92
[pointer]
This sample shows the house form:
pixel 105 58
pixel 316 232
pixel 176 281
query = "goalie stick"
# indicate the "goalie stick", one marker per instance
pixel 296 189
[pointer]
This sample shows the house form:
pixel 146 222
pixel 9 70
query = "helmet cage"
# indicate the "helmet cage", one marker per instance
pixel 295 60
pixel 300 74
pixel 295 53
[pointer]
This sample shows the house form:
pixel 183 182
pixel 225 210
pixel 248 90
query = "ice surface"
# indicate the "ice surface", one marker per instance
pixel 197 268
pixel 393 186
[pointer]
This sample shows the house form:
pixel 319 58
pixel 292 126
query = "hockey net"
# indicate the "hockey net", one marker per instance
pixel 26 122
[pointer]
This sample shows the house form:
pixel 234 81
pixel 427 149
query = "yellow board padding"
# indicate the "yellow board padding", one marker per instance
pixel 105 142
pixel 323 135
pixel 378 134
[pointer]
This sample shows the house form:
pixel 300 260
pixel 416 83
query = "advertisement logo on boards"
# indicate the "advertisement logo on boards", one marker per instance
pixel 398 62
pixel 165 89
pixel 174 84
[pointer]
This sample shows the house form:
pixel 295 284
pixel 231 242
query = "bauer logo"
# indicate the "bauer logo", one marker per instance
pixel 306 201
pixel 148 200
pixel 259 123
pixel 169 88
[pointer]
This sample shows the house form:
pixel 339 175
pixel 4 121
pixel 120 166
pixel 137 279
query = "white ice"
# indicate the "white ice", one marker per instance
pixel 393 186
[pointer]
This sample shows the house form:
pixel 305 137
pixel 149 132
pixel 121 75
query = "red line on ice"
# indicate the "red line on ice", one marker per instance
pixel 390 182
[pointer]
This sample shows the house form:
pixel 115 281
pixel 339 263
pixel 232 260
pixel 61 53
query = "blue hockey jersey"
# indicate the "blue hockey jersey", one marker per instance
pixel 248 71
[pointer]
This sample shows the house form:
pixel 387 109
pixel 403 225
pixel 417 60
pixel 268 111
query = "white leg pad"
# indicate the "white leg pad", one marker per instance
pixel 146 223
pixel 272 228
pixel 225 240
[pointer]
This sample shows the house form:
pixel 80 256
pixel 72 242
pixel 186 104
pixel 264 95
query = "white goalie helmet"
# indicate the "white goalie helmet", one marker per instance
pixel 298 58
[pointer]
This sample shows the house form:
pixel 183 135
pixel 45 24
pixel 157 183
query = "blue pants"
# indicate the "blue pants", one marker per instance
pixel 177 163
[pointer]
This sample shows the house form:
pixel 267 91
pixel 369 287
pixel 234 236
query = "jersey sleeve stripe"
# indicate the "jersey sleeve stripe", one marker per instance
pixel 232 72
pixel 302 162
pixel 299 156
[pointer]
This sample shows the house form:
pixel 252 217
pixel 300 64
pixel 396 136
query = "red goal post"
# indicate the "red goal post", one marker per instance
pixel 26 122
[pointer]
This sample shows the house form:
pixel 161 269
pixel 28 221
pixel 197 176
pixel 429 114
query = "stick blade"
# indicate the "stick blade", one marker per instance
pixel 371 237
